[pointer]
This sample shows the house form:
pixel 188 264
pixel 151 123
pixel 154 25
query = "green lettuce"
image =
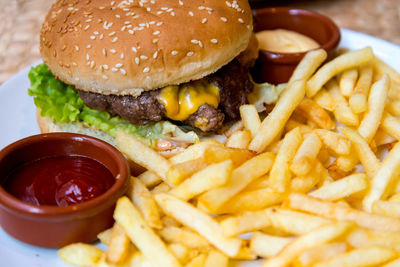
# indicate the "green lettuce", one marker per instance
pixel 61 103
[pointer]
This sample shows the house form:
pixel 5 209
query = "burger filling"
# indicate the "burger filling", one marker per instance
pixel 204 104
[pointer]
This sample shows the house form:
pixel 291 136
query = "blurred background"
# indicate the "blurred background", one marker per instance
pixel 20 22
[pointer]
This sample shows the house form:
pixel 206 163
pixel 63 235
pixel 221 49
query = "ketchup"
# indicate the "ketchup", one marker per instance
pixel 59 181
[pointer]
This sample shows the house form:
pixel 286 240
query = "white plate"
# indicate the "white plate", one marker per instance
pixel 17 120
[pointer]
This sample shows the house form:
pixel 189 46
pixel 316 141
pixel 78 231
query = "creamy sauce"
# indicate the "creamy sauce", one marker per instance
pixel 285 41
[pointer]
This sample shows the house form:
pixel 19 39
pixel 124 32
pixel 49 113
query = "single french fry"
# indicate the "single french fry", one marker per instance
pixel 376 105
pixel 142 154
pixel 144 202
pixel 334 141
pixel 312 111
pixel 381 67
pixel 213 176
pixel 358 100
pixel 367 157
pixel 305 183
pixel 280 175
pixel 320 253
pixel 246 222
pixel 346 163
pixel 308 65
pixel 250 118
pixel 361 237
pixel 348 81
pixel 150 179
pixel 267 246
pixel 216 258
pixel 81 254
pixel 273 124
pixel 252 200
pixel 194 151
pixel 200 222
pixel 342 188
pixel 386 208
pixel 180 251
pixel 389 170
pixel 324 100
pixel 130 219
pixel 369 256
pixel 342 111
pixel 341 63
pixel 391 125
pixel 241 177
pixel 178 172
pixel 339 212
pixel 118 246
pixel 294 222
pixel 239 139
pixel 105 236
pixel 317 237
pixel 190 239
pixel 306 155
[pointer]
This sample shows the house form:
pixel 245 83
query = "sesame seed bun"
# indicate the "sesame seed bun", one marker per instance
pixel 126 47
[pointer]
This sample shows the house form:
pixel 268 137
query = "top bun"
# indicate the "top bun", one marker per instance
pixel 130 46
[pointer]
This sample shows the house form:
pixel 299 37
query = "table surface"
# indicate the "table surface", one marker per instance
pixel 20 22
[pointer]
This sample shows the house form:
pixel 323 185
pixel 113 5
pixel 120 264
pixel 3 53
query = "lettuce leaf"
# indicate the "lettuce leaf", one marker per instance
pixel 61 103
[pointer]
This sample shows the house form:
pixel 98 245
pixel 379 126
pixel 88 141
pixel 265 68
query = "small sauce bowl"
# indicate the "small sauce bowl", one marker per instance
pixel 54 226
pixel 274 67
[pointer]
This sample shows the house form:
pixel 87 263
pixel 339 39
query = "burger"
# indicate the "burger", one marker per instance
pixel 168 72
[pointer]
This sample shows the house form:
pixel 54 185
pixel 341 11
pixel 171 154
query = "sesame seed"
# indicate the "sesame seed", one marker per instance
pixel 200 44
pixel 147 69
pixel 114 69
pixel 112 3
pixel 228 4
pixel 155 54
pixel 190 53
pixel 111 34
pixel 202 7
pixel 77 48
pixel 214 41
pixel 122 71
pixel 131 32
pixel 174 52
pixel 119 65
pixel 101 36
pixel 194 41
pixel 134 49
pixel 105 67
pixel 180 2
pixel 204 20
pixel 123 28
pixel 122 56
pixel 224 19
pixel 92 64
pixel 148 9
pixel 159 12
pixel 86 27
pixel 95 32
pixel 155 41
pixel 92 37
pixel 74 64
pixel 104 52
pixel 87 57
pixel 143 57
pixel 113 51
pixel 137 60
pixel 114 40
pixel 240 20
pixel 105 77
pixel 88 46
pixel 156 33
pixel 159 23
pixel 172 14
pixel 88 20
pixel 191 13
pixel 117 16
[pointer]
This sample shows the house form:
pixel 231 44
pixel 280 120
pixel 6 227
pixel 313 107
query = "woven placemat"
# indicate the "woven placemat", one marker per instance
pixel 20 22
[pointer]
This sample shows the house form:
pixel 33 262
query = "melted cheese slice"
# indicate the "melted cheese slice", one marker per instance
pixel 182 101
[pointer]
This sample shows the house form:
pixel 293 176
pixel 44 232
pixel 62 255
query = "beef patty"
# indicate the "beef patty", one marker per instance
pixel 232 81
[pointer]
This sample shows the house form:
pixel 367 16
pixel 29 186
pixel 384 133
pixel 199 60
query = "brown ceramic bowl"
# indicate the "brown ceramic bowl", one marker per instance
pixel 53 226
pixel 277 68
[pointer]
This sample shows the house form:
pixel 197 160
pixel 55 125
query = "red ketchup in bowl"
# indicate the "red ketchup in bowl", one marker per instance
pixel 59 181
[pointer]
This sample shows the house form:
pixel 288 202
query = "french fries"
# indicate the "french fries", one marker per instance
pixel 198 221
pixel 337 65
pixel 289 189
